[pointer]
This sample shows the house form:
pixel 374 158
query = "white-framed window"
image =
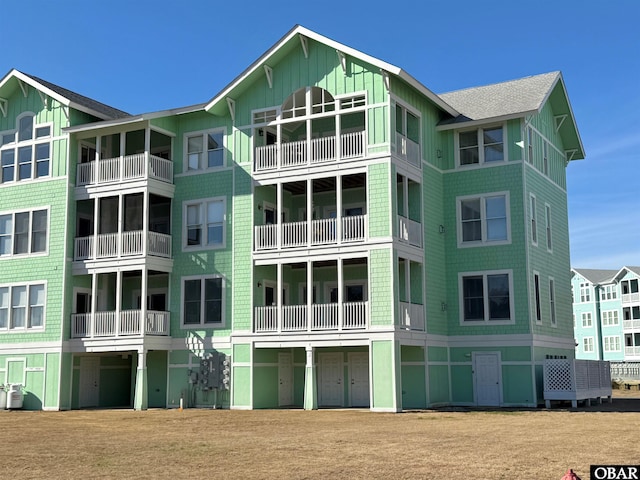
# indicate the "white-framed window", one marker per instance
pixel 585 292
pixel 23 232
pixel 484 145
pixel 545 157
pixel 586 319
pixel 484 219
pixel 533 219
pixel 204 150
pixel 552 301
pixel 22 306
pixel 25 153
pixel 486 297
pixel 612 343
pixel 610 318
pixel 547 216
pixel 536 293
pixel 608 292
pixel 530 145
pixel 408 134
pixel 204 223
pixel 203 301
pixel 587 344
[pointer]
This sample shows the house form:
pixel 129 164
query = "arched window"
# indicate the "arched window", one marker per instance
pixel 296 104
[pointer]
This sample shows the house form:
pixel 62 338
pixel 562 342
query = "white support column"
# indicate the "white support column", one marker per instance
pixel 309 294
pixel 310 382
pixel 147 150
pixel 279 297
pixel 308 110
pixel 98 157
pixel 309 212
pixel 143 300
pixel 94 303
pixel 338 132
pixel 123 149
pixel 339 209
pixel 278 213
pixel 141 397
pixel 146 208
pixel 278 146
pixel 340 294
pixel 120 225
pixel 96 225
pixel 118 300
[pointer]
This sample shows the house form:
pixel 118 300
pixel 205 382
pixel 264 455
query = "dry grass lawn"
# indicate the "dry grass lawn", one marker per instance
pixel 433 444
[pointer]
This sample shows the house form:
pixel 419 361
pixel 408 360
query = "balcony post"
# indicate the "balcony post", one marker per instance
pixel 278 214
pixel 340 295
pixel 338 133
pixel 309 212
pixel 279 297
pixel 120 225
pixel 309 294
pixel 339 209
pixel 140 400
pixel 118 301
pixel 310 383
pixel 94 303
pixel 147 150
pixel 143 301
pixel 308 104
pixel 93 251
pixel 146 207
pixel 278 146
pixel 123 149
pixel 95 174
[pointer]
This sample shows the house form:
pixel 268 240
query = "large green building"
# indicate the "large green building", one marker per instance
pixel 327 225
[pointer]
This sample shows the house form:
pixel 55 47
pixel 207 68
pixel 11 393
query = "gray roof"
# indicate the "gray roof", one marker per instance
pixel 502 99
pixel 597 277
pixel 106 110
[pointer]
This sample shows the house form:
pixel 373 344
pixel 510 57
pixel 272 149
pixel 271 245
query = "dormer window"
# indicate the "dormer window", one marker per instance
pixel 484 145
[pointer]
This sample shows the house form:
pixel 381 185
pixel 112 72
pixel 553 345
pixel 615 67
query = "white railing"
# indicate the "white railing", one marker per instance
pixel 410 231
pixel 266 319
pixel 632 351
pixel 105 324
pixel 324 231
pixel 119 169
pixel 266 157
pixel 112 245
pixel 323 149
pixel 352 144
pixel 631 297
pixel 631 324
pixel 294 234
pixel 266 236
pixel 411 316
pixel 295 318
pixel 408 149
pixel 294 153
pixel 354 228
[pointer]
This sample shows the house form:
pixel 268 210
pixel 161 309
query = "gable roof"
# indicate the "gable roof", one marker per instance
pixel 64 96
pixel 597 277
pixel 518 99
pixel 292 39
pixel 623 271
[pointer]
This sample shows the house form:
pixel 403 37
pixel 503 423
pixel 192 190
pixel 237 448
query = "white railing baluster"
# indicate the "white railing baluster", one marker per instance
pixel 324 231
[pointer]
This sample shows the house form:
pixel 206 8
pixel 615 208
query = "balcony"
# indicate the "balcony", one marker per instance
pixel 633 324
pixel 631 297
pixel 126 324
pixel 322 318
pixel 410 231
pixel 411 316
pixel 124 169
pixel 302 153
pixel 319 232
pixel 632 351
pixel 125 244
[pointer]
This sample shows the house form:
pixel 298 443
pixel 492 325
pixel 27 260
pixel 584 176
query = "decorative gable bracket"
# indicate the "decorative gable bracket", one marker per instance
pixel 24 87
pixel 559 119
pixel 4 106
pixel 269 73
pixel 569 154
pixel 386 79
pixel 343 61
pixel 45 99
pixel 305 45
pixel 231 103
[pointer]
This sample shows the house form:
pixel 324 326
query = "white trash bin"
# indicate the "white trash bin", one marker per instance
pixel 15 397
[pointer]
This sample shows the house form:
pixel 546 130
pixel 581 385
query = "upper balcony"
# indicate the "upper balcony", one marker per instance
pixel 140 166
pixel 301 153
pixel 629 290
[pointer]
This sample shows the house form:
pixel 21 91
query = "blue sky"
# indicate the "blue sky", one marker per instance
pixel 143 56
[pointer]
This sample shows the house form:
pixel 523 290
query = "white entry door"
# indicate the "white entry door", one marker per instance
pixel 285 376
pixel 359 379
pixel 89 382
pixel 487 378
pixel 331 391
